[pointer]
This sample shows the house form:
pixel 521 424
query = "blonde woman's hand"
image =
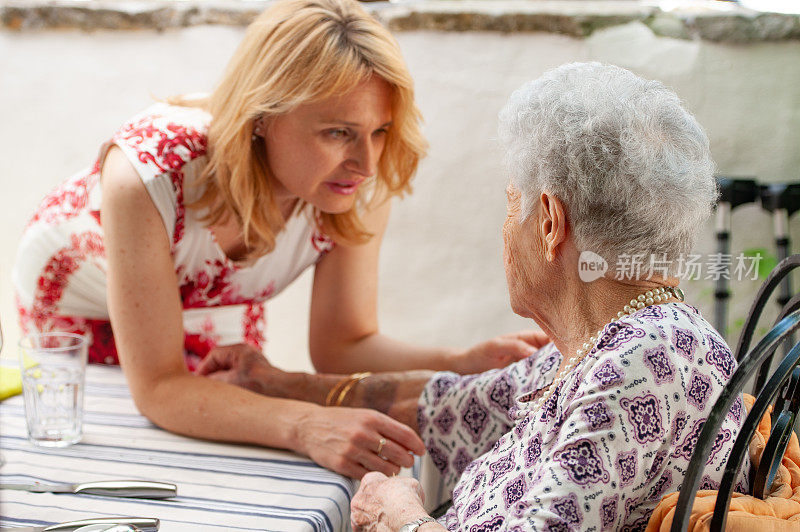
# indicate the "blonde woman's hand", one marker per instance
pixel 499 352
pixel 385 504
pixel 349 441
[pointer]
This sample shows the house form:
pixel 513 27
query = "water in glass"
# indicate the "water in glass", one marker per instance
pixel 53 405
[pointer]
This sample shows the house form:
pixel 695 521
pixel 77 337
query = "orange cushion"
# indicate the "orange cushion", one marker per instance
pixel 779 512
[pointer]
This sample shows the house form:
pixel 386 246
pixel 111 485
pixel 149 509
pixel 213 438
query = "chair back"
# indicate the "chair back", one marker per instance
pixel 783 384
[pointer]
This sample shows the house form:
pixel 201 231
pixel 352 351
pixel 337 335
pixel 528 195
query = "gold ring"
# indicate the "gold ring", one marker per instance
pixel 381 443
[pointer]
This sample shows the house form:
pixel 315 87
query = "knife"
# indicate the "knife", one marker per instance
pixel 143 489
pixel 145 524
pixel 109 528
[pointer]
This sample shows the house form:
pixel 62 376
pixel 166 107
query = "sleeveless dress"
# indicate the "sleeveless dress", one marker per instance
pixel 60 272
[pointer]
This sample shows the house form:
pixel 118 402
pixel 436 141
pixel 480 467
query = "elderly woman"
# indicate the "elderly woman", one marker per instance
pixel 592 430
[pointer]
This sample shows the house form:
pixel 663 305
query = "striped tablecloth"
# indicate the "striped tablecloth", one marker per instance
pixel 220 486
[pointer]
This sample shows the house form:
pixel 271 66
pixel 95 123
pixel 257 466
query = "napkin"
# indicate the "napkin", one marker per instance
pixel 10 382
pixel 10 376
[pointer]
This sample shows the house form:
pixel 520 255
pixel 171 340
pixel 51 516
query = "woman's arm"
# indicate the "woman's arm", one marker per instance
pixel 344 334
pixel 146 314
pixel 395 394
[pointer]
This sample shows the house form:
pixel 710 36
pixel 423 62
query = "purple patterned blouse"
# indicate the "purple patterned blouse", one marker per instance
pixel 614 437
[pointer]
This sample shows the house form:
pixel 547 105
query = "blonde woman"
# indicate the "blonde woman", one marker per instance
pixel 199 210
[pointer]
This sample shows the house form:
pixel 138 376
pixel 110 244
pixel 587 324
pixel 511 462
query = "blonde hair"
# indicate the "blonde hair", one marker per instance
pixel 300 51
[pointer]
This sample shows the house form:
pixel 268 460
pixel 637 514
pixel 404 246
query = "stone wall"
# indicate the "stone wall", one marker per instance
pixel 72 72
pixel 707 20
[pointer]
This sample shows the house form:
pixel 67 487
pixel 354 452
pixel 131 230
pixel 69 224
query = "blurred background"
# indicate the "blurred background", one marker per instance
pixel 72 72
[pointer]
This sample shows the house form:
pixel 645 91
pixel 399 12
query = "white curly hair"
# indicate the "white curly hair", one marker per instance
pixel 632 166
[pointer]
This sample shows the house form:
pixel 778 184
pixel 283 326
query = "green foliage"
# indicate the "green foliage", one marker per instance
pixel 767 261
pixel 733 331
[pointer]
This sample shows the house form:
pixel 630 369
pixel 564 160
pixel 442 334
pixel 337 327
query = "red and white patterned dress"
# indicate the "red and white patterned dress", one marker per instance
pixel 60 272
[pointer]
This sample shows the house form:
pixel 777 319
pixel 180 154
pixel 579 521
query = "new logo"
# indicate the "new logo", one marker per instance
pixel 591 266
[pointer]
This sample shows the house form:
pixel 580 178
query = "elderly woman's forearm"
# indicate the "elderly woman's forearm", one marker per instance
pixel 312 388
pixel 394 394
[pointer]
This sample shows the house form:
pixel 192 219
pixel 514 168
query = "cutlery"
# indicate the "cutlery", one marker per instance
pixel 145 524
pixel 143 489
pixel 108 528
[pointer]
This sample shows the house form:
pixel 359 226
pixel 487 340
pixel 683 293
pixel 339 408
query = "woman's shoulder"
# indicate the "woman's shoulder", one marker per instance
pixel 675 325
pixel 687 334
pixel 162 114
pixel 164 137
pixel 666 344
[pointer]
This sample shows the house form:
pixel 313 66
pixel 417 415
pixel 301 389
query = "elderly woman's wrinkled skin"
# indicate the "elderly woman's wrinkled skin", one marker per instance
pixel 378 492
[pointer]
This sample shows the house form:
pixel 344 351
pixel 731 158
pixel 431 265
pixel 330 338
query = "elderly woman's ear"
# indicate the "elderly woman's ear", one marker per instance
pixel 553 224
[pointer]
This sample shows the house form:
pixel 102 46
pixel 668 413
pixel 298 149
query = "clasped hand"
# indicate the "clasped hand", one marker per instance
pixel 385 504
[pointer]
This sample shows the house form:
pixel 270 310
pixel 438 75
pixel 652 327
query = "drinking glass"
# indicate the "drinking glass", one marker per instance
pixel 53 367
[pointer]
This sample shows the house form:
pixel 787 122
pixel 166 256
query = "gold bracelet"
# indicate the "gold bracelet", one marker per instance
pixel 355 378
pixel 336 387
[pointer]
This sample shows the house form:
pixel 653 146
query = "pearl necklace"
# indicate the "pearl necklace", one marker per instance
pixel 657 295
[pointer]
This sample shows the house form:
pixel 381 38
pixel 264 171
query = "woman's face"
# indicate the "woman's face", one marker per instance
pixel 521 254
pixel 321 152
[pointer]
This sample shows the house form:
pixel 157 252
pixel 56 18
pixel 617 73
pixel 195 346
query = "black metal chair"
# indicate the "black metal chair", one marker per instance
pixel 783 384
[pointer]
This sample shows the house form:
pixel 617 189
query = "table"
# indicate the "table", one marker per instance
pixel 220 486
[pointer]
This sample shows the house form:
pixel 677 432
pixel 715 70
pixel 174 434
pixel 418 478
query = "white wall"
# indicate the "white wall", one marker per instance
pixel 63 93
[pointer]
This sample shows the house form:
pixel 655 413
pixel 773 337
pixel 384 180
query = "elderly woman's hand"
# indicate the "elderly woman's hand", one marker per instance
pixel 499 352
pixel 240 364
pixel 386 504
